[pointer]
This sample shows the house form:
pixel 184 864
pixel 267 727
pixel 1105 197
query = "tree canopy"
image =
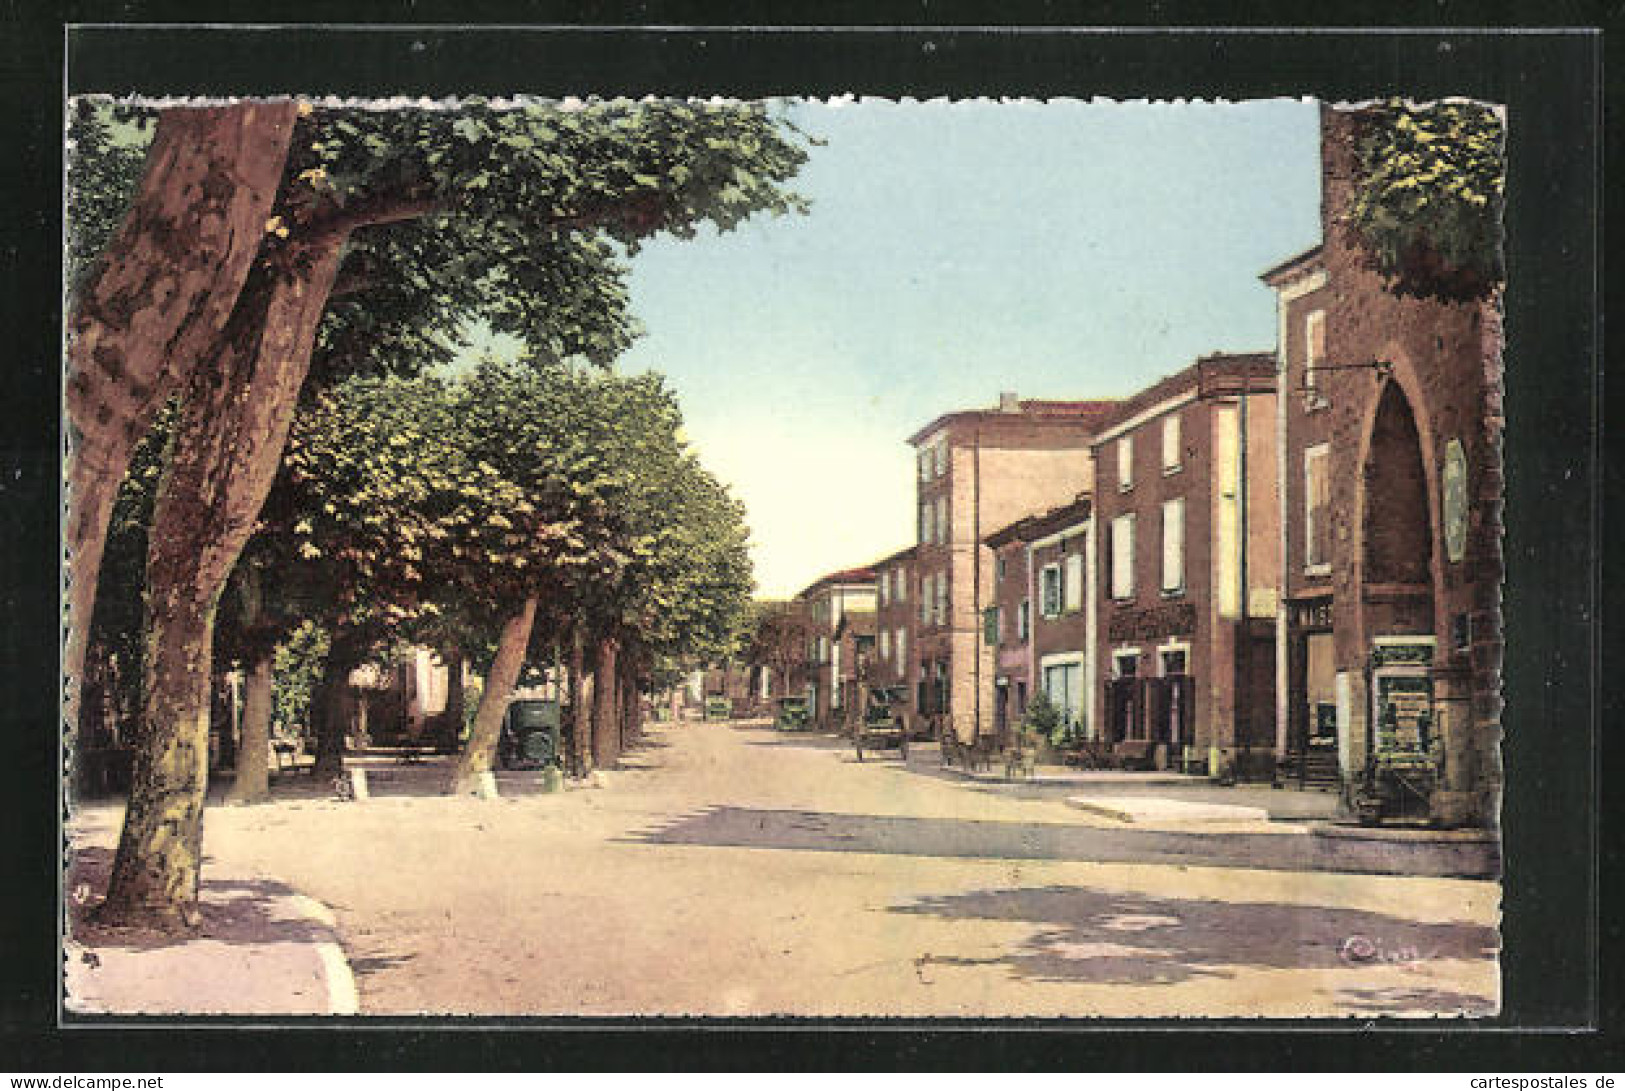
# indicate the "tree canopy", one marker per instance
pixel 1429 196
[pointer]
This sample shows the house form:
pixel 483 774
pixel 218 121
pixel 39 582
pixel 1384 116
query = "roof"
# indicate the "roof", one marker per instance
pixel 1030 411
pixel 1213 375
pixel 1032 527
pixel 1292 267
pixel 892 558
pixel 844 576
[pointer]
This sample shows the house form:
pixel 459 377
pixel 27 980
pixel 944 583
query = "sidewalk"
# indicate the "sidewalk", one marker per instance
pixel 263 948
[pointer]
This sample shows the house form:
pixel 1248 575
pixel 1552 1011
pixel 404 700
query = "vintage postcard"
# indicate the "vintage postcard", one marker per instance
pixel 818 557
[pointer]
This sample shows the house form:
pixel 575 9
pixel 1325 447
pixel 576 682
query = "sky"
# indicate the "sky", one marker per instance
pixel 954 251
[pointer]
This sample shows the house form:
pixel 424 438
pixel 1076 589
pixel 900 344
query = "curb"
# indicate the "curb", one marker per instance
pixel 342 996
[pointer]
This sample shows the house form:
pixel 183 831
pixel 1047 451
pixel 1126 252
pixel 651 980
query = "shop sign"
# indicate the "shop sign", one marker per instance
pixel 1153 621
pixel 1313 614
pixel 1408 654
pixel 1455 500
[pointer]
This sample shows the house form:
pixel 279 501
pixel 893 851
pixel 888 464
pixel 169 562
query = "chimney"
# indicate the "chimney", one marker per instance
pixel 1009 402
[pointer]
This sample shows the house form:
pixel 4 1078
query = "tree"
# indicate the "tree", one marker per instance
pixel 506 182
pixel 778 640
pixel 141 314
pixel 1428 197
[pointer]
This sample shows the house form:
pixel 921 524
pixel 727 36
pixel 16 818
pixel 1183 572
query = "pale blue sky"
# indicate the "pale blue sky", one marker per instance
pixel 1061 250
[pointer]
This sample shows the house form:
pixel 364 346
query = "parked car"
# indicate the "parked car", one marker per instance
pixel 530 734
pixel 793 714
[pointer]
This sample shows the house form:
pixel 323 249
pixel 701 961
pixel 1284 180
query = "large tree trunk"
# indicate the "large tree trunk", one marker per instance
pixel 631 704
pixel 253 783
pixel 606 731
pixel 479 756
pixel 153 306
pixel 330 720
pixel 223 456
pixel 580 706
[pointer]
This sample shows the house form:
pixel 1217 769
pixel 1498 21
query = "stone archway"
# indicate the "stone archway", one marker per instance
pixel 1397 535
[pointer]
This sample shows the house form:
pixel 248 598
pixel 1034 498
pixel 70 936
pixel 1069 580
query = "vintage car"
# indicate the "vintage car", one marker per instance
pixel 530 734
pixel 884 725
pixel 793 714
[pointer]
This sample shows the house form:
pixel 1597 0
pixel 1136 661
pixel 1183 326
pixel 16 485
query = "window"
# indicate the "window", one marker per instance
pixel 942 520
pixel 1317 508
pixel 1049 591
pixel 990 625
pixel 1123 557
pixel 925 600
pixel 1127 664
pixel 902 644
pixel 1173 546
pixel 1024 620
pixel 925 465
pixel 1170 443
pixel 1125 463
pixel 883 588
pixel 1072 584
pixel 885 644
pixel 901 584
pixel 926 523
pixel 1062 687
pixel 941 457
pixel 942 598
pixel 1000 567
pixel 1314 355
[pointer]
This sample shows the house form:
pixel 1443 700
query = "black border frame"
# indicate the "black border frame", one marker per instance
pixel 1553 86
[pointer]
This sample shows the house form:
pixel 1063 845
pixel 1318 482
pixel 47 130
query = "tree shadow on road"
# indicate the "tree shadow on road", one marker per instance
pixel 1115 938
pixel 233 910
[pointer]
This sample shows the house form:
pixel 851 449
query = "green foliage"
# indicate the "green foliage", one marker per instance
pixel 520 214
pixel 1429 195
pixel 298 668
pixel 106 148
pixel 1043 720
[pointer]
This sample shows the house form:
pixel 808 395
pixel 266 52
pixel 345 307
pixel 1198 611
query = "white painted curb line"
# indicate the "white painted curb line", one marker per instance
pixel 342 998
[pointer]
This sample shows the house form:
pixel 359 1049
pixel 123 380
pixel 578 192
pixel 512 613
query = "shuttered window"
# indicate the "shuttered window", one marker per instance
pixel 1123 557
pixel 1317 506
pixel 1125 463
pixel 1173 546
pixel 1170 443
pixel 1072 583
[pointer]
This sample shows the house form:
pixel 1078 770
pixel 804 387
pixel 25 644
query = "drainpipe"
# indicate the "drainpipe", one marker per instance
pixel 976 582
pixel 1282 472
pixel 1244 648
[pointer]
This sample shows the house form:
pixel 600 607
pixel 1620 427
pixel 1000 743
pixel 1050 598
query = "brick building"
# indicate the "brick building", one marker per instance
pixel 826 602
pixel 1042 622
pixel 1389 432
pixel 1188 567
pixel 854 670
pixel 895 624
pixel 979 470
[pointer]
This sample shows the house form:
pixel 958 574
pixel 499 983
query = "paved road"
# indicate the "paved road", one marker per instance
pixel 734 871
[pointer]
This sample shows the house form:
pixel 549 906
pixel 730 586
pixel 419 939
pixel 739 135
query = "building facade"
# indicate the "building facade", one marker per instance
pixel 855 654
pixel 979 470
pixel 1389 433
pixel 1188 562
pixel 1042 623
pixel 825 603
pixel 895 620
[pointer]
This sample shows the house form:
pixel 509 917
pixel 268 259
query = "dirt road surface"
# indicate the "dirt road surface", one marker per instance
pixel 733 870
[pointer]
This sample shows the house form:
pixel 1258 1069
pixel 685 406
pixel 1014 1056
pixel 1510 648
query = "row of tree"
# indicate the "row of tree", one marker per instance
pixel 273 256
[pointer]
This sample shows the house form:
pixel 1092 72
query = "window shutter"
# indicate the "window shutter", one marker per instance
pixel 1123 557
pixel 1170 442
pixel 1173 545
pixel 1072 585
